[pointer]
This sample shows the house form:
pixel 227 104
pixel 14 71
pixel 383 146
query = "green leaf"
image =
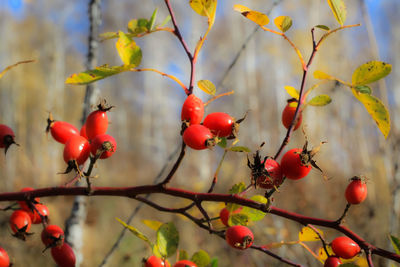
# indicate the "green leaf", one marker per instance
pixel 363 89
pixel 339 10
pixel 207 87
pixel 128 51
pixel 323 27
pixel 201 258
pixel 307 234
pixel 222 142
pixel 236 189
pixel 156 251
pixel 255 16
pixel 152 20
pixel 214 262
pixel 155 225
pixel 377 110
pixel 370 72
pixel 138 26
pixel 293 92
pixel 320 100
pixel 253 214
pixel 396 243
pixel 240 149
pixel 167 239
pixel 166 20
pixel 238 219
pixel 135 232
pixel 322 75
pixel 98 73
pixel 283 23
pixel 183 255
pixel 204 8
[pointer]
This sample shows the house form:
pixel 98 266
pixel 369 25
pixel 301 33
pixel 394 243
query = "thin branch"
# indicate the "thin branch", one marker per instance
pixel 346 209
pixel 175 167
pixel 268 252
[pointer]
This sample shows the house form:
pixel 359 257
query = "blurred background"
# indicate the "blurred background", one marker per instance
pixel 146 119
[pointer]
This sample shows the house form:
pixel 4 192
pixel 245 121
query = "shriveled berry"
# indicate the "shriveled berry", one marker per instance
pixel 104 144
pixel 345 247
pixel 192 110
pixel 221 124
pixel 239 237
pixel 274 177
pixel 198 137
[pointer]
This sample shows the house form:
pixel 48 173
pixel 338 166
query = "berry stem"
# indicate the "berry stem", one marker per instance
pixel 346 209
pixel 175 167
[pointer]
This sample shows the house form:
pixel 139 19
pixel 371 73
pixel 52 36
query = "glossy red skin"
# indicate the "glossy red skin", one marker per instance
pixel 51 234
pixel 96 123
pixel 345 247
pixel 288 114
pixel 224 215
pixel 4 131
pixel 77 148
pixel 97 143
pixel 237 234
pixel 19 219
pixel 35 217
pixel 356 192
pixel 275 175
pixel 192 110
pixel 185 263
pixel 153 261
pixel 220 123
pixel 63 131
pixel 23 204
pixel 332 261
pixel 4 259
pixel 291 165
pixel 196 136
pixel 63 255
pixel 82 132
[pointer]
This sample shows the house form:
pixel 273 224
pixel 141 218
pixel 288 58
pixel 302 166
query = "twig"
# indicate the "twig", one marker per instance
pixel 175 167
pixel 346 209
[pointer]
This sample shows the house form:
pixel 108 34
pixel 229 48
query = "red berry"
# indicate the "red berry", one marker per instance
pixel 345 247
pixel 239 237
pixel 35 217
pixel 20 223
pixel 62 131
pixel 23 204
pixel 288 114
pixel 332 261
pixel 291 165
pixel 153 261
pixel 224 215
pixel 52 236
pixel 6 137
pixel 275 177
pixel 105 143
pixel 220 124
pixel 198 137
pixel 185 263
pixel 4 259
pixel 64 256
pixel 77 148
pixel 82 132
pixel 356 191
pixel 96 123
pixel 192 110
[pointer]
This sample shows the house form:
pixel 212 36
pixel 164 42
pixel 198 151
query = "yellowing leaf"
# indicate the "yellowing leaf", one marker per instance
pixel 128 51
pixel 283 23
pixel 322 254
pixel 201 258
pixel 307 234
pixel 376 109
pixel 370 72
pixel 320 100
pixel 255 16
pixel 98 73
pixel 204 8
pixel 322 75
pixel 339 10
pixel 323 27
pixel 152 224
pixel 14 65
pixel 207 86
pixel 167 239
pixel 135 231
pixel 395 243
pixel 238 219
pixel 293 92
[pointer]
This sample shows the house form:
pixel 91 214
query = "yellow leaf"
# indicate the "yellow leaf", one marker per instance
pixel 339 10
pixel 283 23
pixel 322 254
pixel 128 51
pixel 96 74
pixel 370 72
pixel 255 16
pixel 206 8
pixel 207 87
pixel 322 75
pixel 152 224
pixel 292 91
pixel 376 109
pixel 308 234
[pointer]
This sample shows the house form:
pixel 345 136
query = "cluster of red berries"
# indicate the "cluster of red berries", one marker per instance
pixel 33 212
pixel 153 261
pixel 199 135
pixel 6 137
pixel 91 139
